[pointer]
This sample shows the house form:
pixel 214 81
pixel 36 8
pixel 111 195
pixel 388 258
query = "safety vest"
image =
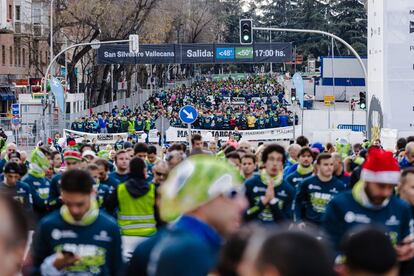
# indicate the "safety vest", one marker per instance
pixel 131 127
pixel 136 215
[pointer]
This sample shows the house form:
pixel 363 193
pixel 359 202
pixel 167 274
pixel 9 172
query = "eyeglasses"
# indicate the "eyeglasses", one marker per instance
pixel 161 174
pixel 234 192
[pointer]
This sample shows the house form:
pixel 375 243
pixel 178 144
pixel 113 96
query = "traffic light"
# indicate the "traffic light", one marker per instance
pixel 293 95
pixel 362 100
pixel 246 31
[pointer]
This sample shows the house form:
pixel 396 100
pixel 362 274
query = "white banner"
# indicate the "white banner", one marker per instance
pixel 175 134
pixel 110 138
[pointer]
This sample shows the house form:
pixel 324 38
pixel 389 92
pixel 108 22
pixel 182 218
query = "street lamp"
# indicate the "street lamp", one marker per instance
pixel 51 29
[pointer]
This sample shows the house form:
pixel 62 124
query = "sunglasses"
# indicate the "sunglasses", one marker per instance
pixel 234 192
pixel 160 174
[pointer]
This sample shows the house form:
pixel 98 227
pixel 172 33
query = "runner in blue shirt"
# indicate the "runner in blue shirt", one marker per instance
pixel 315 192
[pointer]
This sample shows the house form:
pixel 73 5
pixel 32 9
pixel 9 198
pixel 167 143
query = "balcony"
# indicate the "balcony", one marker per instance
pixel 22 29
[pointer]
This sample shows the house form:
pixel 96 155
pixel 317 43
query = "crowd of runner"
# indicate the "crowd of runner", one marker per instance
pixel 253 103
pixel 231 209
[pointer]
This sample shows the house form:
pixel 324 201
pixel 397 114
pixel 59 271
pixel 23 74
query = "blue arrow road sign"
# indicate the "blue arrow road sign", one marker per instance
pixel 188 114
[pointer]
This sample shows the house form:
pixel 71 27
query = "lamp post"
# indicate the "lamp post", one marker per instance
pixel 45 99
pixel 361 63
pixel 51 29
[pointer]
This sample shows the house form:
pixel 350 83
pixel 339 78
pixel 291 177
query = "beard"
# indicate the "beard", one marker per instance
pixel 375 200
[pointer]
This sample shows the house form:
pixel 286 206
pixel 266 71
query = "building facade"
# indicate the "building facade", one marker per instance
pixel 23 47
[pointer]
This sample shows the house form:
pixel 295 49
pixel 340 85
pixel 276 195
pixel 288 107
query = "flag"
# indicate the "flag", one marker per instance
pixel 299 86
pixel 58 92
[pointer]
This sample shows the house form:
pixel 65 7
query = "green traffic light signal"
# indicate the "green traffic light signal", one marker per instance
pixel 246 31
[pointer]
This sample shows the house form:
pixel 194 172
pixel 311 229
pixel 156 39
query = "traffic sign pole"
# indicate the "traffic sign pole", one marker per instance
pixel 188 115
pixel 189 137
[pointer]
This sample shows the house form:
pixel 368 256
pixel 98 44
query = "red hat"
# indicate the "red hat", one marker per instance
pixel 380 167
pixel 72 155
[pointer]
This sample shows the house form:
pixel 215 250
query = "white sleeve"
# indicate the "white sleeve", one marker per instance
pixel 48 269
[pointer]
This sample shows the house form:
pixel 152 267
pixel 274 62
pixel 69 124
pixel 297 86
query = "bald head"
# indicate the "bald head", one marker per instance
pixel 11 147
pixel 293 151
pixel 246 146
pixel 409 152
pixel 161 165
pixel 160 171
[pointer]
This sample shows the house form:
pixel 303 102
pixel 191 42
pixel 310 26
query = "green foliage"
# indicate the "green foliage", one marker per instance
pixel 345 18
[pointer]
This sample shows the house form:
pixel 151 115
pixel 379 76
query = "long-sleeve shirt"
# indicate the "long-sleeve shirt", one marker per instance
pixel 98 244
pixel 278 209
pixel 41 186
pixel 344 213
pixel 313 196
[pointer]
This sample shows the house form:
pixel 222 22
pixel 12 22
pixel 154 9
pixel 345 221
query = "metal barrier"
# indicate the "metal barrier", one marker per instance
pixel 357 128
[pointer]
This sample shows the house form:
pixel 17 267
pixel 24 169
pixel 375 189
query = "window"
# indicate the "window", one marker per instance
pixel 36 16
pixel 40 57
pixel 10 12
pixel 3 55
pixel 17 13
pixel 24 57
pixel 15 56
pixel 11 55
pixel 19 56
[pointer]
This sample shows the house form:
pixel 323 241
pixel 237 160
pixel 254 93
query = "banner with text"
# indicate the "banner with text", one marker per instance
pixel 110 138
pixel 175 134
pixel 195 53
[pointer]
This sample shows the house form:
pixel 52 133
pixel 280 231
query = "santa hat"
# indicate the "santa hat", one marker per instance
pixel 381 167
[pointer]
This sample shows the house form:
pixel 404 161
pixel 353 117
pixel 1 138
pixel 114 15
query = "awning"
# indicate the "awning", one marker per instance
pixel 6 94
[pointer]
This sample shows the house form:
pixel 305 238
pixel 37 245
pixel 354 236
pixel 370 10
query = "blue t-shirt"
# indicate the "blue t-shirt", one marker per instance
pixel 121 178
pixel 294 179
pixel 277 210
pixel 344 213
pixel 54 195
pixel 111 182
pixel 313 196
pixel 98 245
pixel 41 186
pixel 21 192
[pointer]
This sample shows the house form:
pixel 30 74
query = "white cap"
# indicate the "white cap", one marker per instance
pixel 88 153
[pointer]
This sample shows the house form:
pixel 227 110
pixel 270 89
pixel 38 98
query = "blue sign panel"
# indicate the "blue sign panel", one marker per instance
pixel 195 53
pixel 188 114
pixel 224 53
pixel 15 109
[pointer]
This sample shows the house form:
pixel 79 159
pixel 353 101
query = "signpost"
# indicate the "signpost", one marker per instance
pixel 162 124
pixel 188 115
pixel 15 109
pixel 15 121
pixel 329 101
